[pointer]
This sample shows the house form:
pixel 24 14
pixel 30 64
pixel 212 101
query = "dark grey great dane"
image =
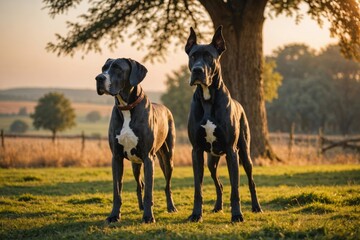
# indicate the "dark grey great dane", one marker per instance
pixel 139 131
pixel 217 125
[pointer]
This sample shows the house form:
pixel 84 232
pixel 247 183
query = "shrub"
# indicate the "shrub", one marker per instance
pixel 19 126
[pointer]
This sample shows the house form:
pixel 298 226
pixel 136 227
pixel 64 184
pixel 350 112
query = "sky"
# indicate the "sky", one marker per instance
pixel 26 29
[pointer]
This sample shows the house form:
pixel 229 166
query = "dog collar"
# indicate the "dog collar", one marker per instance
pixel 131 105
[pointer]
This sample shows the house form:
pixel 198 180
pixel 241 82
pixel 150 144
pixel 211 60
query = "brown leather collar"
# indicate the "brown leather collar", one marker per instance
pixel 131 105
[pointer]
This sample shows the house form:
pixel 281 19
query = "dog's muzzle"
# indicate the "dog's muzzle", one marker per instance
pixel 198 76
pixel 100 84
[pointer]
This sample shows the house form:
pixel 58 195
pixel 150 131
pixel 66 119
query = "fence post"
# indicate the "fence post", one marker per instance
pixel 99 144
pixel 82 142
pixel 2 139
pixel 320 142
pixel 291 139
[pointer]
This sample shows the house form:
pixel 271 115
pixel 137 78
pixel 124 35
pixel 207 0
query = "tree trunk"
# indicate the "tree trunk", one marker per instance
pixel 53 136
pixel 242 64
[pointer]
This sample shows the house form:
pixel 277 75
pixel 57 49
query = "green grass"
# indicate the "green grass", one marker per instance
pixel 310 202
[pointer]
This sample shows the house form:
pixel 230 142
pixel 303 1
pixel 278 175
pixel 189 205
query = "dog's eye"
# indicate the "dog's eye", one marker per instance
pixel 192 57
pixel 208 57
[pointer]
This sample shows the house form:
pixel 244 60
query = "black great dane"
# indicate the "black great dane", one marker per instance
pixel 139 131
pixel 217 125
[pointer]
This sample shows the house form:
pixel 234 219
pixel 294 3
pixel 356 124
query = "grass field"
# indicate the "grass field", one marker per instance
pixel 309 202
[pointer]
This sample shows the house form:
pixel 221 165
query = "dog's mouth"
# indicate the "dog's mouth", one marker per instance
pixel 198 81
pixel 99 88
pixel 100 92
pixel 104 88
pixel 198 76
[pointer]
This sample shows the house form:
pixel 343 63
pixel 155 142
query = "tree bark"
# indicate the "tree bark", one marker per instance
pixel 242 63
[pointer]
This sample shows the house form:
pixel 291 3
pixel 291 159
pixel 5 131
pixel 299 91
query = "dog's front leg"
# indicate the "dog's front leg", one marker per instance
pixel 232 160
pixel 148 216
pixel 198 168
pixel 117 172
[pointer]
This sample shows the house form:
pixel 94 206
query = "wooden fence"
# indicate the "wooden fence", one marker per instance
pixel 322 143
pixel 81 136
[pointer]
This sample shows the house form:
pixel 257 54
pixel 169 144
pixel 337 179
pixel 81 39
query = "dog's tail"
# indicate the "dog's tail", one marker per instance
pixel 171 136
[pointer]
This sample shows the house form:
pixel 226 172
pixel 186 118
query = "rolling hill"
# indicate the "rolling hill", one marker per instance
pixel 75 95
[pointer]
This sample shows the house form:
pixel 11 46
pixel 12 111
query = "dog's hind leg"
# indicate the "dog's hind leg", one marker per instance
pixel 244 154
pixel 165 156
pixel 139 183
pixel 213 163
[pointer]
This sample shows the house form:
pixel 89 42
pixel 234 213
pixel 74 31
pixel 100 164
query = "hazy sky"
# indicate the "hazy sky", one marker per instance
pixel 26 28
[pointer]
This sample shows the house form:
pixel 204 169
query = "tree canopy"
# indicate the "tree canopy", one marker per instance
pixel 166 21
pixel 53 112
pixel 93 116
pixel 272 81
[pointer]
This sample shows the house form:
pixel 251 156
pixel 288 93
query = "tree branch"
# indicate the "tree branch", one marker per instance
pixel 161 21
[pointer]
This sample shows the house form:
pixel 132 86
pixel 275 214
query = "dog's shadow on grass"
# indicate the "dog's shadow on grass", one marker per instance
pixel 131 229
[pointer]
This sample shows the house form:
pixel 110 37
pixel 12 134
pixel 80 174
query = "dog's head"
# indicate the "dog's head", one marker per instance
pixel 119 75
pixel 204 60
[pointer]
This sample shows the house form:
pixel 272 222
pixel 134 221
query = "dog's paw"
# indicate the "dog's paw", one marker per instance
pixel 195 218
pixel 216 209
pixel 150 219
pixel 172 209
pixel 112 219
pixel 237 218
pixel 257 209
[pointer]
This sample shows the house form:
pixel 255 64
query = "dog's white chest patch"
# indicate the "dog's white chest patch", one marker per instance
pixel 128 139
pixel 209 132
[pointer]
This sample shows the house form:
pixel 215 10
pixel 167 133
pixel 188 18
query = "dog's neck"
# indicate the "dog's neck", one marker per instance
pixel 127 100
pixel 208 93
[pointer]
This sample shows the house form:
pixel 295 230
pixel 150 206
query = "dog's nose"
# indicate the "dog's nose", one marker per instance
pixel 198 70
pixel 100 77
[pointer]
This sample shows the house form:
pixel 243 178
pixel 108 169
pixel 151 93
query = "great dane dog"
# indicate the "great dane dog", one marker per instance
pixel 217 125
pixel 139 131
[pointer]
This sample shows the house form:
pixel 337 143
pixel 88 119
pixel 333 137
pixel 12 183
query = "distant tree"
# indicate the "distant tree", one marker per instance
pixel 294 62
pixel 344 76
pixel 318 90
pixel 93 116
pixel 178 95
pixel 167 21
pixel 23 111
pixel 19 126
pixel 53 112
pixel 272 80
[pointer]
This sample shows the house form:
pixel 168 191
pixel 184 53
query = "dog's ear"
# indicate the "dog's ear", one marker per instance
pixel 138 72
pixel 191 41
pixel 218 40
